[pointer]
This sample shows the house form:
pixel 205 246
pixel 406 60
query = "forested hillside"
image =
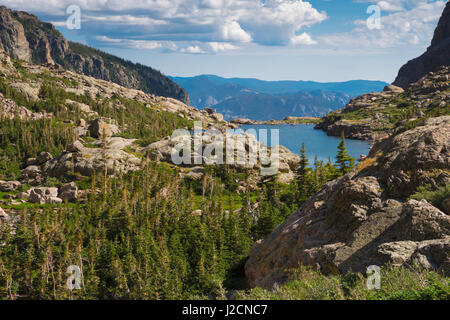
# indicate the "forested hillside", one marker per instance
pixel 25 37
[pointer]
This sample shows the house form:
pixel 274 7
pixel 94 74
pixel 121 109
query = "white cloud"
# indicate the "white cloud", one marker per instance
pixel 390 6
pixel 304 38
pixel 405 27
pixel 232 31
pixel 170 46
pixel 193 50
pixel 266 22
pixel 217 47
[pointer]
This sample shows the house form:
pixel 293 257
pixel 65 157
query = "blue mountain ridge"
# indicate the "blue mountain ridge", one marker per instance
pixel 264 100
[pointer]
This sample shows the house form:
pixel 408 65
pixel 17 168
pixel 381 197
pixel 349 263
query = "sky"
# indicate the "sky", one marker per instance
pixel 319 40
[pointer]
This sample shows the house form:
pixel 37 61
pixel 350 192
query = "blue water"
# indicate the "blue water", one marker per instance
pixel 316 141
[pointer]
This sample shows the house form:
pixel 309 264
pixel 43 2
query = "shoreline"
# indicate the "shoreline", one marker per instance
pixel 287 120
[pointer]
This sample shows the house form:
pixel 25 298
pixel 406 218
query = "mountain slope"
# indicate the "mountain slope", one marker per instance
pixel 437 54
pixel 266 100
pixel 25 37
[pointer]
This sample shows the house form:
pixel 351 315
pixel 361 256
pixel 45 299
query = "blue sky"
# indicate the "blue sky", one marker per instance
pixel 321 40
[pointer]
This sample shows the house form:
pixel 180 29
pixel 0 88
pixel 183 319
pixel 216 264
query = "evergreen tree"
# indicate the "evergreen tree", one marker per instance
pixel 345 162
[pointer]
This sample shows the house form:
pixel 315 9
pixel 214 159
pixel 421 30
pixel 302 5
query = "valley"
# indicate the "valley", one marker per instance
pixel 88 178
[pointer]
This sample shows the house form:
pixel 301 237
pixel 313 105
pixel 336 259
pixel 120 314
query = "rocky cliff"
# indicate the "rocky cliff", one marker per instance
pixel 437 54
pixel 368 216
pixel 25 37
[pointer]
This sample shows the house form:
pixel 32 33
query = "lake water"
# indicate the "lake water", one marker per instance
pixel 316 141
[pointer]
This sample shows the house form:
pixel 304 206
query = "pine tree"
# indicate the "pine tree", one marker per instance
pixel 345 162
pixel 304 177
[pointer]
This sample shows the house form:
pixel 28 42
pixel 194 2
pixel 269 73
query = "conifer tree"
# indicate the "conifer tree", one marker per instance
pixel 345 162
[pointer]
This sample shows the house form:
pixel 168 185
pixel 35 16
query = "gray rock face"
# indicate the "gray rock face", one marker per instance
pixel 412 155
pixel 8 186
pixel 31 93
pixel 43 157
pixel 69 192
pixel 32 175
pixel 76 146
pixel 44 195
pixel 239 150
pixel 3 215
pixel 437 54
pixel 364 218
pixel 88 160
pixel 12 36
pixel 10 110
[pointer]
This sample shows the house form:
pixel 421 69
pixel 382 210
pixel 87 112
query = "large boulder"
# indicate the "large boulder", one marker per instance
pixel 99 128
pixel 76 146
pixel 8 186
pixel 103 128
pixel 43 157
pixel 32 175
pixel 245 150
pixel 392 88
pixel 43 195
pixel 365 218
pixel 3 215
pixel 68 192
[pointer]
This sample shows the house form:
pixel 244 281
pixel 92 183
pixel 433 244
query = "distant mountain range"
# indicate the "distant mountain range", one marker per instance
pixel 266 100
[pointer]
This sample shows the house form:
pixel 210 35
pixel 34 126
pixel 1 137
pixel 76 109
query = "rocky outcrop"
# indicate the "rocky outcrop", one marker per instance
pixel 12 36
pixel 365 217
pixel 24 36
pixel 43 195
pixel 109 156
pixel 240 145
pixel 8 186
pixel 68 192
pixel 10 110
pixel 32 175
pixel 437 54
pixel 103 128
pixel 3 215
pixel 376 115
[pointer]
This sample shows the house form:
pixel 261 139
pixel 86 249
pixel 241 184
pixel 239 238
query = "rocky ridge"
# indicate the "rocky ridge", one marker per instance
pixel 437 54
pixel 377 115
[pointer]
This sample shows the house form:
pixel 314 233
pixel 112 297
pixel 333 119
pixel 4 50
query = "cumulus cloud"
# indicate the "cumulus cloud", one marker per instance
pixel 304 38
pixel 169 46
pixel 232 31
pixel 390 6
pixel 230 22
pixel 399 27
